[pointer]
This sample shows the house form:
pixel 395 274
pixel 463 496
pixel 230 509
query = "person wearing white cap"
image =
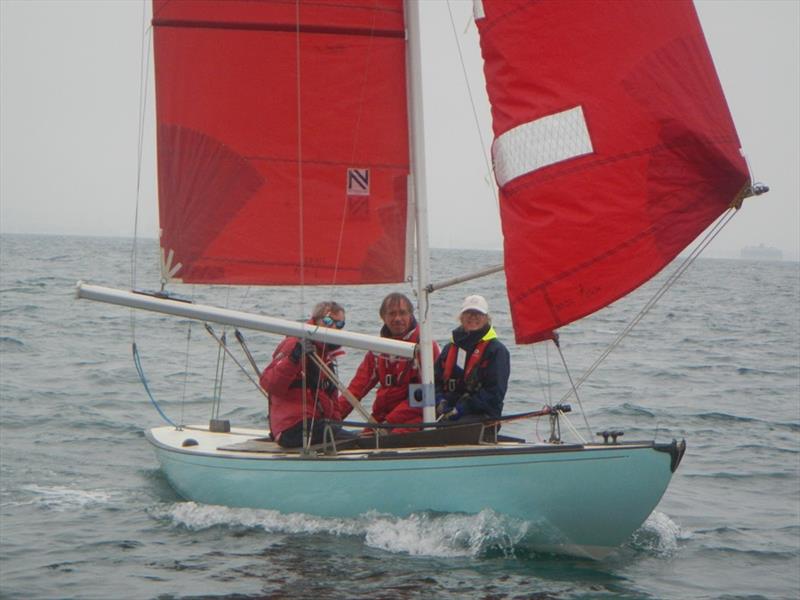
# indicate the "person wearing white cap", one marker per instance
pixel 472 371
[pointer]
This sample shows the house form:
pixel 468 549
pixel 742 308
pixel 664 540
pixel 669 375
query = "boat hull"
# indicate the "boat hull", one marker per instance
pixel 584 500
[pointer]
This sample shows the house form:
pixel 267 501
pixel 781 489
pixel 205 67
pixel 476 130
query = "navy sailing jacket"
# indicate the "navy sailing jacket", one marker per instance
pixel 482 391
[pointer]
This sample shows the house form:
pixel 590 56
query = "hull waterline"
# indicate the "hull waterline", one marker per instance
pixel 582 500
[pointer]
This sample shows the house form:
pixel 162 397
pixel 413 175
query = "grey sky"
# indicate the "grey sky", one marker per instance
pixel 69 115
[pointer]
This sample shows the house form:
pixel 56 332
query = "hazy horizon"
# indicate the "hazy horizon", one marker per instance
pixel 154 240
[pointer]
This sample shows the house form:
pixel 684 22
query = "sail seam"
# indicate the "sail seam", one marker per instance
pixel 608 160
pixel 279 28
pixel 335 163
pixel 543 287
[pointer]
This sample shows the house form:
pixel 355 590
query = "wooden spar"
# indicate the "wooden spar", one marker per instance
pixel 244 320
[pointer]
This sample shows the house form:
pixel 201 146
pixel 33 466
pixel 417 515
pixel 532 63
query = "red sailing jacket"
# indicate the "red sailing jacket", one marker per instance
pixel 282 380
pixel 392 374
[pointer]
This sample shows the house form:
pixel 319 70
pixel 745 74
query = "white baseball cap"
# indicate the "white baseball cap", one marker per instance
pixel 475 303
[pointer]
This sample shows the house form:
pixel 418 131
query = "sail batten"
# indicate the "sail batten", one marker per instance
pixel 592 208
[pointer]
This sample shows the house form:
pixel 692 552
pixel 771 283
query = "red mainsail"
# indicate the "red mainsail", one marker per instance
pixel 282 140
pixel 614 148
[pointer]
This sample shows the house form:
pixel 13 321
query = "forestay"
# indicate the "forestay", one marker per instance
pixel 614 148
pixel 282 141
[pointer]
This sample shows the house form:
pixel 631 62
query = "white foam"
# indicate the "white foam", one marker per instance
pixel 446 535
pixel 421 534
pixel 203 516
pixel 658 534
pixel 61 498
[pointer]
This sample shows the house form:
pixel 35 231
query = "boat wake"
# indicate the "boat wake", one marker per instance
pixel 446 535
pixel 659 536
pixel 421 534
pixel 61 499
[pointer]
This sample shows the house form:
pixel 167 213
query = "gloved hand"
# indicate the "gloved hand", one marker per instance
pixel 441 406
pixel 304 346
pixel 454 414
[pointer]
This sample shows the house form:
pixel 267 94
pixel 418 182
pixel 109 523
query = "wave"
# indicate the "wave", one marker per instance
pixel 739 476
pixel 726 529
pixel 769 449
pixel 749 554
pixel 722 417
pixel 9 344
pixel 753 371
pixel 20 308
pixel 629 409
pixel 61 498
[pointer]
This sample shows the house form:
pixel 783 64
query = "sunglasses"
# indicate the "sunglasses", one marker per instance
pixel 328 321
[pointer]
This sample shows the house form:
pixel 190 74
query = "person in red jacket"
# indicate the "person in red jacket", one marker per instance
pixel 391 374
pixel 284 384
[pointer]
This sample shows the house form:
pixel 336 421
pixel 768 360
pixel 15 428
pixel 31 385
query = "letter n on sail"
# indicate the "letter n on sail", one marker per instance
pixel 358 193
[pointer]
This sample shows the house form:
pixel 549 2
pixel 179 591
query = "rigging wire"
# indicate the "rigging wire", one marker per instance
pixel 223 344
pixel 574 389
pixel 545 386
pixel 247 353
pixel 549 372
pixel 484 152
pixel 301 212
pixel 137 361
pixel 356 129
pixel 219 375
pixel 144 68
pixel 186 368
pixel 220 371
pixel 572 428
pixel 670 281
pixel 145 58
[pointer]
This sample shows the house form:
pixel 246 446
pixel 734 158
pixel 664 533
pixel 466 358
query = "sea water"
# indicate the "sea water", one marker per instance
pixel 85 511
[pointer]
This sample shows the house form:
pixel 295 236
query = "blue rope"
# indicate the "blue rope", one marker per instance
pixel 137 361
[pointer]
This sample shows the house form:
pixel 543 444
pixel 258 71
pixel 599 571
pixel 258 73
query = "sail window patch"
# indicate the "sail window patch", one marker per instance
pixel 540 143
pixel 358 182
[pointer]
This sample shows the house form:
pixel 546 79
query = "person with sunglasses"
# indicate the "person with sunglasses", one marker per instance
pixel 472 371
pixel 392 374
pixel 293 373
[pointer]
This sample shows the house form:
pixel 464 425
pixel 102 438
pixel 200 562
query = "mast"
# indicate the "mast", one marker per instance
pixel 419 190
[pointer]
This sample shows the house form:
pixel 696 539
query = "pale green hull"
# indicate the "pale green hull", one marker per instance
pixel 582 499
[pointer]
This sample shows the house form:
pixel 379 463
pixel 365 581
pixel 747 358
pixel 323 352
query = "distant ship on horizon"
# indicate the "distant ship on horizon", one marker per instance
pixel 761 252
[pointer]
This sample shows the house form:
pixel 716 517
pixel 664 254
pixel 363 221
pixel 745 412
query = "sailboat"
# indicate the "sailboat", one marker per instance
pixel 291 152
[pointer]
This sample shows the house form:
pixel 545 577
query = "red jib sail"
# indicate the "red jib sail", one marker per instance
pixel 282 140
pixel 614 148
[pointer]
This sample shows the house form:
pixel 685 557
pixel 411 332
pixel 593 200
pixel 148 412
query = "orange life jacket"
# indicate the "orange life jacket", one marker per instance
pixel 450 382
